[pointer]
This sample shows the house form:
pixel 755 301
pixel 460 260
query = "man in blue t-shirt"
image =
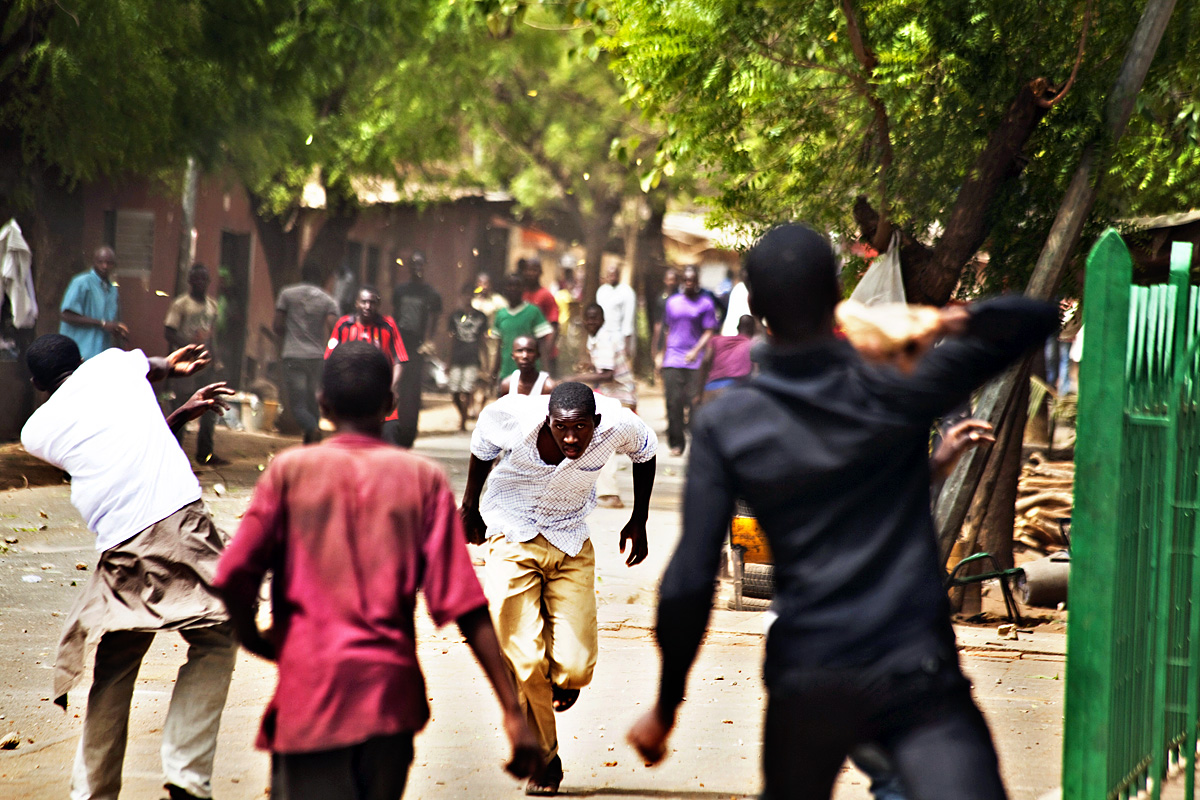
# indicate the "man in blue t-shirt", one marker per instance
pixel 89 307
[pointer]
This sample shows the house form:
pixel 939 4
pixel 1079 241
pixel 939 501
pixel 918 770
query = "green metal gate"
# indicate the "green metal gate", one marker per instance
pixel 1133 643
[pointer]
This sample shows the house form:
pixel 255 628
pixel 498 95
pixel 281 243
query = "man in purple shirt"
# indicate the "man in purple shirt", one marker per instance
pixel 690 319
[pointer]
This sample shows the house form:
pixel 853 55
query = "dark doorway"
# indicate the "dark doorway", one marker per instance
pixel 372 269
pixel 492 256
pixel 234 301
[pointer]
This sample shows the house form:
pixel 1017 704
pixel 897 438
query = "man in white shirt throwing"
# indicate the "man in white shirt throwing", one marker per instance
pixel 158 555
pixel 543 455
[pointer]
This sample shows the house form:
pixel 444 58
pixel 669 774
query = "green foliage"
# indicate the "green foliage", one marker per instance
pixel 347 97
pixel 110 86
pixel 278 88
pixel 545 115
pixel 770 99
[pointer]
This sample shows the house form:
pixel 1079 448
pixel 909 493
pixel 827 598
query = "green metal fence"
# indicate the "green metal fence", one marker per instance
pixel 1133 644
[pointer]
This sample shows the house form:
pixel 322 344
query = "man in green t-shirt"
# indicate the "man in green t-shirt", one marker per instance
pixel 519 319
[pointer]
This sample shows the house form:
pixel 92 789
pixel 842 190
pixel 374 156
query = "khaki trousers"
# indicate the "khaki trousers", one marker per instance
pixel 189 740
pixel 543 605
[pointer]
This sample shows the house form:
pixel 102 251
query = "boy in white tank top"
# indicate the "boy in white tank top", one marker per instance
pixel 526 379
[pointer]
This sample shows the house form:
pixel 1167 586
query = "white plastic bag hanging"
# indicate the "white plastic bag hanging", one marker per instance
pixel 882 282
pixel 16 275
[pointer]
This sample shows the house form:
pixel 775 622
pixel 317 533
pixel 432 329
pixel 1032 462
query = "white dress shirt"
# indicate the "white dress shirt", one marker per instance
pixel 620 308
pixel 526 496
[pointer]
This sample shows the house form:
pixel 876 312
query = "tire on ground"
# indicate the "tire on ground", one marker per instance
pixel 759 581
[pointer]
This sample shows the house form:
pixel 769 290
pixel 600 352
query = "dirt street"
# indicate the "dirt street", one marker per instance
pixel 1019 685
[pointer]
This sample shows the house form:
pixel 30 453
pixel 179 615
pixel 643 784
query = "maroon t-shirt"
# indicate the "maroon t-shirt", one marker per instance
pixel 352 527
pixel 731 357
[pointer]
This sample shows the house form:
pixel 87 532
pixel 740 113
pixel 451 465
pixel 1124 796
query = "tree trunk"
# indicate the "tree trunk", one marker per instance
pixel 596 227
pixel 328 248
pixel 652 257
pixel 187 226
pixel 996 536
pixel 930 274
pixel 1064 234
pixel 988 526
pixel 280 240
pixel 966 228
pixel 648 272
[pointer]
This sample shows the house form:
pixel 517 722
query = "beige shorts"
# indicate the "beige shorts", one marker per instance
pixel 462 378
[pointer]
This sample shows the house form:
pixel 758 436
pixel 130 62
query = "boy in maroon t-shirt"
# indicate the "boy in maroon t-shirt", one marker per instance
pixel 352 528
pixel 727 360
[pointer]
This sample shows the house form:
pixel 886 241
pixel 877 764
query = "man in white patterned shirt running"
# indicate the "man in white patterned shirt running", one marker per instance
pixel 543 455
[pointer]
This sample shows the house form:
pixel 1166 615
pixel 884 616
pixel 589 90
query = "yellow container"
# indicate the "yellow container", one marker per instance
pixel 745 532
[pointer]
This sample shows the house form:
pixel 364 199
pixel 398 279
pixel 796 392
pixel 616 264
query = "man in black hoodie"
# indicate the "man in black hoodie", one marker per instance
pixel 833 456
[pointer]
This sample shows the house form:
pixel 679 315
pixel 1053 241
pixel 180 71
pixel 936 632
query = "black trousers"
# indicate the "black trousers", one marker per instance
pixel 377 769
pixel 925 720
pixel 302 379
pixel 408 404
pixel 679 386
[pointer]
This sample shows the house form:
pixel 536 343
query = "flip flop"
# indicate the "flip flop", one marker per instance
pixel 564 698
pixel 547 782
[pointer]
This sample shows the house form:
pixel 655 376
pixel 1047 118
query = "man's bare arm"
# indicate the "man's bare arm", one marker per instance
pixel 477 472
pixel 209 398
pixel 397 371
pixel 958 440
pixel 700 345
pixel 498 360
pixel 108 326
pixel 187 360
pixel 634 531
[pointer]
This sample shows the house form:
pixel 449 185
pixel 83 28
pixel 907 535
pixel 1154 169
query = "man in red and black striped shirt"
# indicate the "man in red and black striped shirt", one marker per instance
pixel 368 325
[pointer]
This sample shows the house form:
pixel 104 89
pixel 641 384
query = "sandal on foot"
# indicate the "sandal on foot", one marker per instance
pixel 564 698
pixel 547 781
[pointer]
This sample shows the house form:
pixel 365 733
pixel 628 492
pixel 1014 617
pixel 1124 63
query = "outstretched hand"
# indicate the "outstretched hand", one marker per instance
pixel 634 533
pixel 117 329
pixel 209 398
pixel 649 736
pixel 473 524
pixel 957 440
pixel 188 360
pixel 526 751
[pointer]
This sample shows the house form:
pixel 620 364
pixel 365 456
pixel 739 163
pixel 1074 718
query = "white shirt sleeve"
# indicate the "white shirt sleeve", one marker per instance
pixel 499 426
pixel 638 440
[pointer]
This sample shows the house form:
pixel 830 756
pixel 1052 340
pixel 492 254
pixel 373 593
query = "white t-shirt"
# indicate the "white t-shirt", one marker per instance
pixel 105 428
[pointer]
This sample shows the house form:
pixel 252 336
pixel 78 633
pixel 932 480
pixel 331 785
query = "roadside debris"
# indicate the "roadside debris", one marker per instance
pixel 1045 494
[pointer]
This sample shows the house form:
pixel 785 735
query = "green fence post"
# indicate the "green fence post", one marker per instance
pixel 1171 350
pixel 1186 496
pixel 1098 458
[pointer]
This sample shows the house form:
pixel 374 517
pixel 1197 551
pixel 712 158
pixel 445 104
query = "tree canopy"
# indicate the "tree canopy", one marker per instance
pixel 547 120
pixel 957 122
